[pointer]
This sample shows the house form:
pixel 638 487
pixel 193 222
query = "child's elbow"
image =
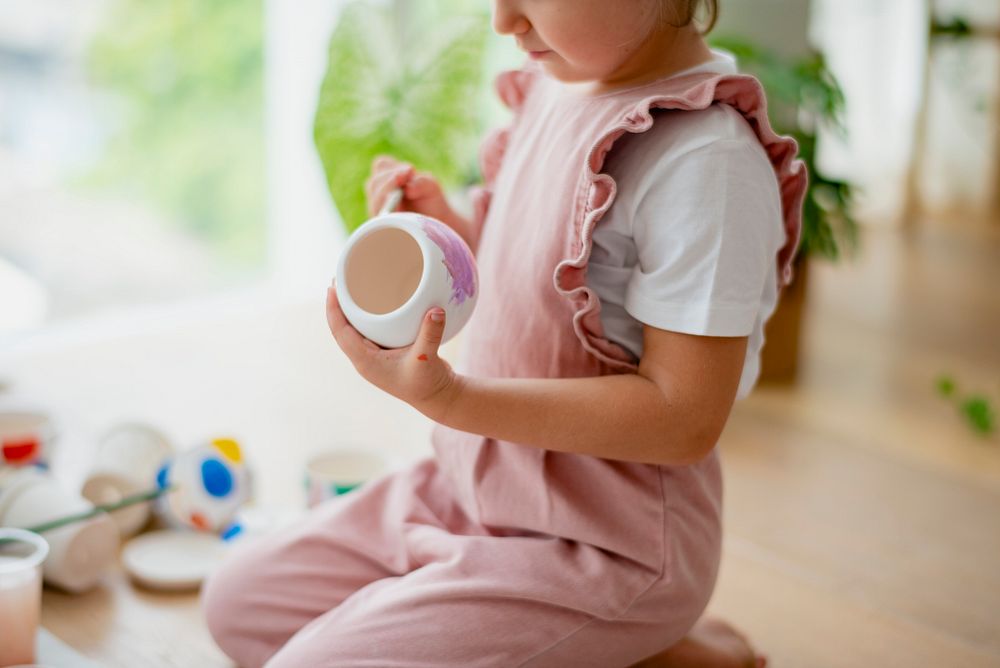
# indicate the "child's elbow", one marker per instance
pixel 700 443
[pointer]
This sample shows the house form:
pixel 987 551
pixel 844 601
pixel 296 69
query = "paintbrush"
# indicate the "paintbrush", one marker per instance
pixel 130 500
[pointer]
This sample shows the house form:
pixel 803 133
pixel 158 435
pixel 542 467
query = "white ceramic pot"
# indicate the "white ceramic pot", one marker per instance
pixel 396 267
pixel 336 472
pixel 27 436
pixel 210 483
pixel 128 459
pixel 80 553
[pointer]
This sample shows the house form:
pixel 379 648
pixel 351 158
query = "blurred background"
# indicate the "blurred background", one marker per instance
pixel 155 152
pixel 177 178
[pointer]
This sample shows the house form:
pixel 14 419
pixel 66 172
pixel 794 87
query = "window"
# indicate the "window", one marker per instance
pixel 131 154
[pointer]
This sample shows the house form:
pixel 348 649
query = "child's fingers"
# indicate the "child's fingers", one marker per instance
pixel 430 335
pixel 373 187
pixel 383 183
pixel 349 339
pixel 422 186
pixel 384 162
pixel 380 174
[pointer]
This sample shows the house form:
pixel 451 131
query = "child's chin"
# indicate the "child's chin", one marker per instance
pixel 573 79
pixel 564 74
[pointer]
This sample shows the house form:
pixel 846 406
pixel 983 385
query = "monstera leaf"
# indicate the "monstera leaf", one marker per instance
pixel 387 90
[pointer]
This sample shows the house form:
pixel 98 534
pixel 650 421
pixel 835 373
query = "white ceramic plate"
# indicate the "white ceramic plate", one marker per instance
pixel 173 560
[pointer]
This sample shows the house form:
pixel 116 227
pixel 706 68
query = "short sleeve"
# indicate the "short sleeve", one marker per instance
pixel 707 228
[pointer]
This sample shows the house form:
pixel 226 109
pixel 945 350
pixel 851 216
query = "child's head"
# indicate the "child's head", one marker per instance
pixel 595 40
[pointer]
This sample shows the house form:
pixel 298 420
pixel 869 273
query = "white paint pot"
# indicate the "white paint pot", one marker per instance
pixel 396 267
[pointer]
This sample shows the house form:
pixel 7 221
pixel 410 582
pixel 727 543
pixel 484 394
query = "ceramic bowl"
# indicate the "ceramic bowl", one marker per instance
pixel 396 267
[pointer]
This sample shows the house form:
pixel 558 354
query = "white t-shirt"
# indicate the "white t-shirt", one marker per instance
pixel 690 241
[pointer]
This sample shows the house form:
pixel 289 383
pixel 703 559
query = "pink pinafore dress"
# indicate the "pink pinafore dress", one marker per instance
pixel 493 553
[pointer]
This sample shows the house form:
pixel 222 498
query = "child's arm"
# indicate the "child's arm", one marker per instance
pixel 671 412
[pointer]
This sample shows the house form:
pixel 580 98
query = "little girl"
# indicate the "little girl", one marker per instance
pixel 636 223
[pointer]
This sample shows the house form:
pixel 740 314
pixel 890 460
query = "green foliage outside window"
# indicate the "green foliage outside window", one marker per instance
pixel 188 76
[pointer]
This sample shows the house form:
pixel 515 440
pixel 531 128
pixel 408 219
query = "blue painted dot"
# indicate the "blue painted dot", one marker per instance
pixel 216 477
pixel 232 531
pixel 161 477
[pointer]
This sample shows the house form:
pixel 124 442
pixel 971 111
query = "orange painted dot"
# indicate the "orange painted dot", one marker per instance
pixel 422 357
pixel 199 521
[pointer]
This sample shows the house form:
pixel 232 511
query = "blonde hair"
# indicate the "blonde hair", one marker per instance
pixel 686 11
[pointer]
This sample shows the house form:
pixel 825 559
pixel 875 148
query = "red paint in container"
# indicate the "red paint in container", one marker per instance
pixel 21 451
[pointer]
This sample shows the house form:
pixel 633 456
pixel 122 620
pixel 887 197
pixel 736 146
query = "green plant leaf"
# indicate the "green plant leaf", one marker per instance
pixel 979 413
pixel 414 99
pixel 945 386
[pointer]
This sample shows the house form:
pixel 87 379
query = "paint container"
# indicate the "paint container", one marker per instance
pixel 209 483
pixel 79 553
pixel 21 557
pixel 396 267
pixel 337 472
pixel 27 436
pixel 128 458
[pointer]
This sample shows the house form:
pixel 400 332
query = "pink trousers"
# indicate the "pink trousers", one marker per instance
pixel 396 574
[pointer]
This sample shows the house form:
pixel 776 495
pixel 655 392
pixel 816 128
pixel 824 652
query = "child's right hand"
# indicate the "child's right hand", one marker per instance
pixel 421 191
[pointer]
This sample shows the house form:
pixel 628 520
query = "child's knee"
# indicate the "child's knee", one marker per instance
pixel 220 602
pixel 225 603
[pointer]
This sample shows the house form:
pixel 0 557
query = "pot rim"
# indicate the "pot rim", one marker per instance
pixel 389 220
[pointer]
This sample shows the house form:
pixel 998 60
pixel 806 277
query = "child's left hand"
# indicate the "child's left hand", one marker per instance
pixel 414 374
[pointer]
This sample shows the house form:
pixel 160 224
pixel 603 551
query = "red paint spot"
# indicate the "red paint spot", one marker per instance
pixel 199 521
pixel 422 357
pixel 20 451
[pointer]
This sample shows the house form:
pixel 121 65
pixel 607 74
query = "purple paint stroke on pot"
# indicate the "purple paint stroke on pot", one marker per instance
pixel 458 260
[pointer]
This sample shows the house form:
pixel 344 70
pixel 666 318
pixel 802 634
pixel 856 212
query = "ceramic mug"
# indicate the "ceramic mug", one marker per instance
pixel 128 458
pixel 397 266
pixel 337 472
pixel 79 553
pixel 26 437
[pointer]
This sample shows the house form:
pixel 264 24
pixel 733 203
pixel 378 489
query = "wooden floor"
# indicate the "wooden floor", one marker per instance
pixel 862 514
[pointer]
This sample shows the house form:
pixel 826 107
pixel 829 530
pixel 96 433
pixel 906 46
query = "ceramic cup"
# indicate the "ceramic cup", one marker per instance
pixel 79 553
pixel 26 437
pixel 336 472
pixel 396 267
pixel 209 484
pixel 21 557
pixel 128 459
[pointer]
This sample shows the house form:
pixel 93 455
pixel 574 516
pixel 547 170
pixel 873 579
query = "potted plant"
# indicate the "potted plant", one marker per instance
pixel 803 95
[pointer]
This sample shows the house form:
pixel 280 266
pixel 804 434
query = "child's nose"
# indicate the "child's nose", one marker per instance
pixel 508 19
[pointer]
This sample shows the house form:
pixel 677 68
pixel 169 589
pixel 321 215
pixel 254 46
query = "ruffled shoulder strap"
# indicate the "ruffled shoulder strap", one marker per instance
pixel 745 94
pixel 512 87
pixel 694 92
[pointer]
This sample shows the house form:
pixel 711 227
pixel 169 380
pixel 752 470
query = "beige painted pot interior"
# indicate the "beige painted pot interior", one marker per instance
pixel 21 424
pixel 383 270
